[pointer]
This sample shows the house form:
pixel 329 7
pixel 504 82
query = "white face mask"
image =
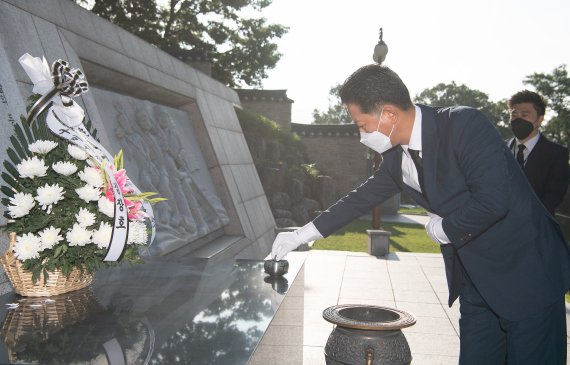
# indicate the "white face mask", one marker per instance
pixel 377 141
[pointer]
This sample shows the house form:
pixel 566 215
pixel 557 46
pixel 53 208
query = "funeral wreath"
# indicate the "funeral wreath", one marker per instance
pixel 70 204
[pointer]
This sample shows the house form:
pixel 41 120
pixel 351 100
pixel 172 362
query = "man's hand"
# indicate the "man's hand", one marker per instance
pixel 286 242
pixel 434 229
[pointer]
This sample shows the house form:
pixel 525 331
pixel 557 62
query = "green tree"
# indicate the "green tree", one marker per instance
pixel 240 48
pixel 139 17
pixel 555 88
pixel 336 113
pixel 452 94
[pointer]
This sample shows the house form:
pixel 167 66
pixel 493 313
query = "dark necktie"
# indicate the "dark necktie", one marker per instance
pixel 520 154
pixel 415 155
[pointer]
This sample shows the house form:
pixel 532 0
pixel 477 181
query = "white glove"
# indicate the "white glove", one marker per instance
pixel 286 242
pixel 434 229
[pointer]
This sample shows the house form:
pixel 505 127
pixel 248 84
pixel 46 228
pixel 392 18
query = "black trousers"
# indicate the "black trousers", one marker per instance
pixel 486 338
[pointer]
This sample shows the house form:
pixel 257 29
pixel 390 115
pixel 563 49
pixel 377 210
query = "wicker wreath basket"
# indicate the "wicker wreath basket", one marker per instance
pixel 57 282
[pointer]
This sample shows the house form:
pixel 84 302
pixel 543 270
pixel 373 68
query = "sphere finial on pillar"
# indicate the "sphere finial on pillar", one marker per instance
pixel 380 50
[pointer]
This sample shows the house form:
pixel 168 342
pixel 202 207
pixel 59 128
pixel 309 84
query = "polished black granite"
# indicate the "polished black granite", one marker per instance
pixel 166 311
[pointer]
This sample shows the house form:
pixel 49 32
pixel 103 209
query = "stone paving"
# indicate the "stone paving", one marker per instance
pixel 414 282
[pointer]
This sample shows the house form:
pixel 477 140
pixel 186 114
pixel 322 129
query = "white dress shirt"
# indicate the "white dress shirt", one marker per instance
pixel 410 174
pixel 409 171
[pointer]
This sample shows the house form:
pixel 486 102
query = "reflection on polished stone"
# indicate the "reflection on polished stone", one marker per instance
pixel 68 328
pixel 278 283
pixel 166 311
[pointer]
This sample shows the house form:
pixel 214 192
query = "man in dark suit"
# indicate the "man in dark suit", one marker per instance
pixel 544 163
pixel 505 256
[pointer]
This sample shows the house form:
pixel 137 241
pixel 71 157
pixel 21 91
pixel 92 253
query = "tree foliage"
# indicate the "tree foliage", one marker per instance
pixel 240 48
pixel 452 94
pixel 555 88
pixel 439 95
pixel 336 113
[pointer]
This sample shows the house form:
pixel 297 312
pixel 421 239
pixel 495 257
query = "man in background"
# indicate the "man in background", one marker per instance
pixel 544 162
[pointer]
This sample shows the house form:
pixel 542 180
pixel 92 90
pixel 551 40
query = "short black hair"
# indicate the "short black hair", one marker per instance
pixel 527 96
pixel 374 85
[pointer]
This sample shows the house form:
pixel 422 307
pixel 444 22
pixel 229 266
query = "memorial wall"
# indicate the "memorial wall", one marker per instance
pixel 176 126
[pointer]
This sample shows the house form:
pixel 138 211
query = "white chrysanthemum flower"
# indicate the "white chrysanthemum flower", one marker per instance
pixel 77 153
pixel 50 236
pixel 64 168
pixel 27 246
pixel 137 233
pixel 85 218
pixel 32 167
pixel 42 147
pixel 20 205
pixel 78 236
pixel 88 193
pixel 106 207
pixel 48 195
pixel 102 236
pixel 91 176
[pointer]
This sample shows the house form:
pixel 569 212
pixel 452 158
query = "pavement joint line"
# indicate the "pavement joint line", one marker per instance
pixel 438 299
pixel 391 284
pixel 342 279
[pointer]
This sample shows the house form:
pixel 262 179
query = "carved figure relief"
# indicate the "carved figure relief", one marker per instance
pixel 152 142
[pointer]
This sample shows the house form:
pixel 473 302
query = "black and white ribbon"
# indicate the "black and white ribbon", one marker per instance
pixel 67 83
pixel 120 231
pixel 70 82
pixel 80 136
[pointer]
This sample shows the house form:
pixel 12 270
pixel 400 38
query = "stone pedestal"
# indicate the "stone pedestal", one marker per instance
pixel 378 242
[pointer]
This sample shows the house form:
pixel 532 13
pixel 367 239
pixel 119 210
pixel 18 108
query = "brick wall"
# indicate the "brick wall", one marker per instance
pixel 334 148
pixel 272 104
pixel 337 152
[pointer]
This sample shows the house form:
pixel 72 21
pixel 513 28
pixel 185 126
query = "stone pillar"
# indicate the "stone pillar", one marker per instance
pixel 378 242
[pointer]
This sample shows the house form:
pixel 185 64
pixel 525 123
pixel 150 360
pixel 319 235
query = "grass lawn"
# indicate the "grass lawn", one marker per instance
pixel 412 210
pixel 403 238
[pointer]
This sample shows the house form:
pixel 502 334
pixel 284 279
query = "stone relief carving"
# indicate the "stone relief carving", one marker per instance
pixel 148 135
pixel 186 164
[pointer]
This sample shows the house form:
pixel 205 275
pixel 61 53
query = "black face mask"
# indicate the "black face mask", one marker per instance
pixel 521 128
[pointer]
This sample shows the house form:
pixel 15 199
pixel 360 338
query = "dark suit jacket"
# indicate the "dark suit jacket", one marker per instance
pixel 547 171
pixel 502 237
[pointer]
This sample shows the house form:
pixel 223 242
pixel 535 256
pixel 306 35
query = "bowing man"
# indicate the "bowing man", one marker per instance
pixel 505 256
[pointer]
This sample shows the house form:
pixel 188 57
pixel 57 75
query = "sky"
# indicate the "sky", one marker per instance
pixel 488 45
